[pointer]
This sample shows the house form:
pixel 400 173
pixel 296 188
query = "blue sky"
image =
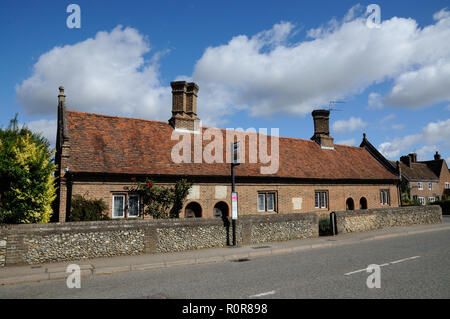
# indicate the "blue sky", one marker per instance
pixel 258 64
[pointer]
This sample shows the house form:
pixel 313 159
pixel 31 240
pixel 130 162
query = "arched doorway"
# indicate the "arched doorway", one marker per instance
pixel 350 205
pixel 192 210
pixel 363 203
pixel 221 210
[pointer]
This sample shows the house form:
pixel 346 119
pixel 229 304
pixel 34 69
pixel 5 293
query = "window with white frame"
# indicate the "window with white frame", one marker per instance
pixel 431 199
pixel 267 201
pixel 422 200
pixel 430 186
pixel 321 199
pixel 420 186
pixel 384 197
pixel 447 185
pixel 125 205
pixel 133 205
pixel 118 209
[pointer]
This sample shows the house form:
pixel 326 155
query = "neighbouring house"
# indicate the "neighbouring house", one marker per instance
pixel 97 155
pixel 424 181
pixel 427 181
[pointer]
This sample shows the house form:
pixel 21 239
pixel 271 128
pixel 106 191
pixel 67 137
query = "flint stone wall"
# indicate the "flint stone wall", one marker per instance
pixel 41 243
pixel 378 218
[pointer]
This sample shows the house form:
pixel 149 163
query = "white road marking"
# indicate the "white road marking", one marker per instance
pixel 264 294
pixel 404 259
pixel 386 264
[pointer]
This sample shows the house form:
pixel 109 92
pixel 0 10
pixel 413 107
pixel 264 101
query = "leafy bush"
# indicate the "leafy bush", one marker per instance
pixel 88 209
pixel 325 228
pixel 27 187
pixel 162 201
pixel 411 202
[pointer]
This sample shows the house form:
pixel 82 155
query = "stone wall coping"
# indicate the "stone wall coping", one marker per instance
pixel 386 210
pixel 149 223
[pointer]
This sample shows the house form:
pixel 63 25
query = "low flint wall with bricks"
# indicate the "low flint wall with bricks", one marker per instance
pixel 378 218
pixel 41 243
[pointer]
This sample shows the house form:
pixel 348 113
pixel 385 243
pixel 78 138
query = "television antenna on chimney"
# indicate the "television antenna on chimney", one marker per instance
pixel 332 103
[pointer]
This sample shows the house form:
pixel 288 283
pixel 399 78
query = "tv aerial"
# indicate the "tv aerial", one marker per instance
pixel 330 108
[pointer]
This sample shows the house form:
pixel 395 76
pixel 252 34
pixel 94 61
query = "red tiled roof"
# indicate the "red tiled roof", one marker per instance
pixel 107 144
pixel 418 172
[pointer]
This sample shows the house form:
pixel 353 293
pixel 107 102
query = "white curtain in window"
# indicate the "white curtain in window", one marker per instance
pixel 119 203
pixel 261 202
pixel 133 206
pixel 270 201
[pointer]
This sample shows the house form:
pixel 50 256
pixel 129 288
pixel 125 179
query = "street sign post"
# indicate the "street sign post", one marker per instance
pixel 234 196
pixel 234 205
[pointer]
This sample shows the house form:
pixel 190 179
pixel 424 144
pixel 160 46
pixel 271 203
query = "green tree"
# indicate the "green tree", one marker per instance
pixel 27 187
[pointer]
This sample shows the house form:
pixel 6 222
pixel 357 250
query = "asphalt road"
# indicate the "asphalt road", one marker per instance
pixel 413 266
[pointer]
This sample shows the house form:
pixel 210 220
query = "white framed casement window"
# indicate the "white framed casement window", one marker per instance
pixel 267 201
pixel 419 186
pixel 384 197
pixel 321 199
pixel 431 199
pixel 422 200
pixel 430 186
pixel 118 206
pixel 133 205
pixel 447 185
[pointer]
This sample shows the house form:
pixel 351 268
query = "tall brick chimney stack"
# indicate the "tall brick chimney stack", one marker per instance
pixel 406 160
pixel 413 157
pixel 184 106
pixel 322 129
pixel 437 156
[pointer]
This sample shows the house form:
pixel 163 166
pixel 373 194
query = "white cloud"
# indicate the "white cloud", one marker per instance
pixel 106 74
pixel 394 148
pixel 349 125
pixel 268 74
pixel 397 126
pixel 423 87
pixel 441 14
pixel 265 73
pixel 424 151
pixel 375 101
pixel 434 135
pixel 436 132
pixel 354 12
pixel 351 142
pixel 387 118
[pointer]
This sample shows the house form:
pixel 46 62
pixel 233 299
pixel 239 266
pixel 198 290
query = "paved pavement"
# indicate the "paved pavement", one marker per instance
pixel 104 266
pixel 415 264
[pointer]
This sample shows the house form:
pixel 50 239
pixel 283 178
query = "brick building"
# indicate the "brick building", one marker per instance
pixel 427 181
pixel 97 155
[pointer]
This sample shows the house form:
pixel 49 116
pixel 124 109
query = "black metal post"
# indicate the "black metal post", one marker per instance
pixel 233 221
pixel 333 223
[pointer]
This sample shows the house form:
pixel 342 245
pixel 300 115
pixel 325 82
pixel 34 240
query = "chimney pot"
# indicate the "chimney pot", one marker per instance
pixel 437 156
